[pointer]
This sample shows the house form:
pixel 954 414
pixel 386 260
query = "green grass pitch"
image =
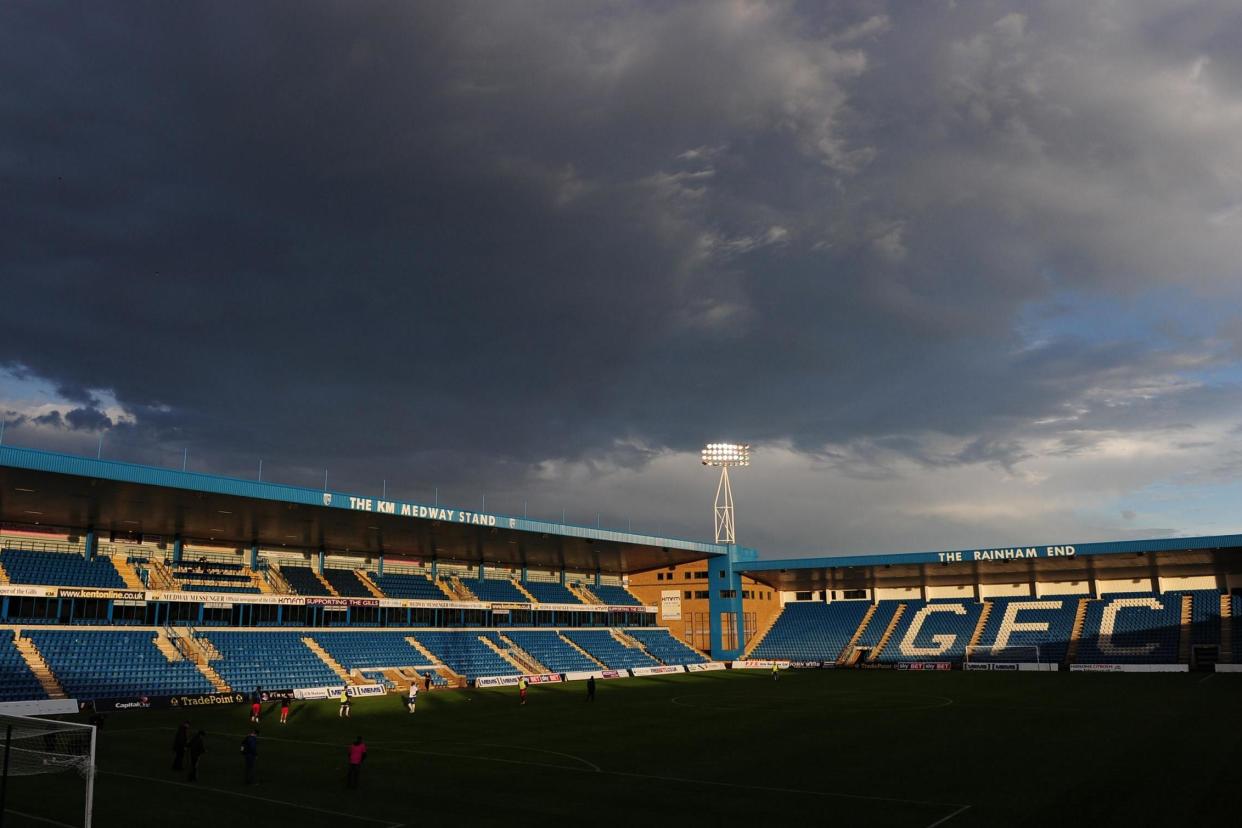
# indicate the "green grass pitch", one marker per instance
pixel 907 750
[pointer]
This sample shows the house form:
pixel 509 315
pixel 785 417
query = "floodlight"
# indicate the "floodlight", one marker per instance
pixel 725 456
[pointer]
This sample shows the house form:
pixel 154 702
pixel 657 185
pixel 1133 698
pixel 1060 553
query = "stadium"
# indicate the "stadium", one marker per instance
pixel 136 598
pixel 362 367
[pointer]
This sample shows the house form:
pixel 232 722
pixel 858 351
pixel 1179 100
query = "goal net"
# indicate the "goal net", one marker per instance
pixel 47 771
pixel 1011 654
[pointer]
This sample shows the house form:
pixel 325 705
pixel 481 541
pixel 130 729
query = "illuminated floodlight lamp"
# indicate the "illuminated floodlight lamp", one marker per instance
pixel 725 456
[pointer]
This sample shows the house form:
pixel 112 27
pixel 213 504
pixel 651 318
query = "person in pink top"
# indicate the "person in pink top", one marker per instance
pixel 357 755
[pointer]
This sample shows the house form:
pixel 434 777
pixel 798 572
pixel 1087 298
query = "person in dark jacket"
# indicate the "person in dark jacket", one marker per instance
pixel 179 744
pixel 250 753
pixel 197 749
pixel 590 688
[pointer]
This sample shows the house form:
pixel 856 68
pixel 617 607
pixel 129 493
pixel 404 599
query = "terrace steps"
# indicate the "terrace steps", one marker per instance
pixel 212 676
pixel 888 633
pixel 167 647
pixel 276 581
pixel 583 652
pixel 365 577
pixel 983 621
pixel 38 666
pixel 848 650
pixel 159 577
pixel 259 582
pixel 4 576
pixel 1080 619
pixel 1226 628
pixel 332 663
pixel 128 574
pixel 526 592
pixel 1183 646
pixel 460 590
pixel 528 662
pixel 326 584
pixel 762 634
pixel 584 595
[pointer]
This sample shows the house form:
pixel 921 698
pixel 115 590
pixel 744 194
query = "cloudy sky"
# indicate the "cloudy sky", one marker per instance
pixel 964 273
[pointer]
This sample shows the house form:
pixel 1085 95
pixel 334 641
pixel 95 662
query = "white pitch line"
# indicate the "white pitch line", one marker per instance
pixel 38 818
pixel 386 823
pixel 1205 678
pixel 592 769
pixel 943 820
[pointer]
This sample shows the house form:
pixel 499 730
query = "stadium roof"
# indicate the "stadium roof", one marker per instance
pixel 77 493
pixel 1062 562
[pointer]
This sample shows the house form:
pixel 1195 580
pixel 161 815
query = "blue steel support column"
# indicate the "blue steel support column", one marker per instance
pixel 92 543
pixel 597 578
pixel 379 569
pixel 562 577
pixel 523 573
pixel 482 570
pixel 721 577
pixel 254 556
pixel 435 569
pixel 178 548
pixel 319 566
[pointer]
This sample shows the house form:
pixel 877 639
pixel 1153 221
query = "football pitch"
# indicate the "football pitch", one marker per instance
pixel 908 750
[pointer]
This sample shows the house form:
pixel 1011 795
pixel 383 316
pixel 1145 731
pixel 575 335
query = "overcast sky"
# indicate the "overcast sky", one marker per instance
pixel 965 274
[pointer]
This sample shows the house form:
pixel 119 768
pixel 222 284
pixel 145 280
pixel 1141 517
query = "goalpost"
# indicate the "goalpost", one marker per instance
pixel 1012 654
pixel 47 770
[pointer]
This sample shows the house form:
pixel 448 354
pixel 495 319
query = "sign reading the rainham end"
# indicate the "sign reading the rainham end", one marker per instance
pixel 1013 554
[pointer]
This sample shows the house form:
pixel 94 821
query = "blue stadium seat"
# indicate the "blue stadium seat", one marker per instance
pixel 346 583
pixel 401 585
pixel 275 660
pixel 944 634
pixel 615 595
pixel 496 589
pixel 1055 613
pixel 93 664
pixel 661 644
pixel 17 683
pixel 602 646
pixel 303 581
pixel 1146 629
pixel 61 568
pixel 547 592
pixel 550 650
pixel 812 631
pixel 465 654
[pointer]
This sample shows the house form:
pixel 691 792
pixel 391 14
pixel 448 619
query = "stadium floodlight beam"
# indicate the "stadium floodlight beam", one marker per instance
pixel 725 456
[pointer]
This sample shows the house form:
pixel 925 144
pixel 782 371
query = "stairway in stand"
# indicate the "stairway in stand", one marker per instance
pixel 365 577
pixel 1226 628
pixel 983 622
pixel 847 656
pixel 581 651
pixel 331 589
pixel 756 640
pixel 1183 648
pixel 1080 619
pixel 128 574
pixel 332 663
pixel 34 660
pixel 888 633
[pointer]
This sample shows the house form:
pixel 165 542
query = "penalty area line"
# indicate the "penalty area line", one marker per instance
pixel 48 820
pixel 945 819
pixel 385 822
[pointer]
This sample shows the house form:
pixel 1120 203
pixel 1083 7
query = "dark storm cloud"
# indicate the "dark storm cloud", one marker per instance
pixel 463 239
